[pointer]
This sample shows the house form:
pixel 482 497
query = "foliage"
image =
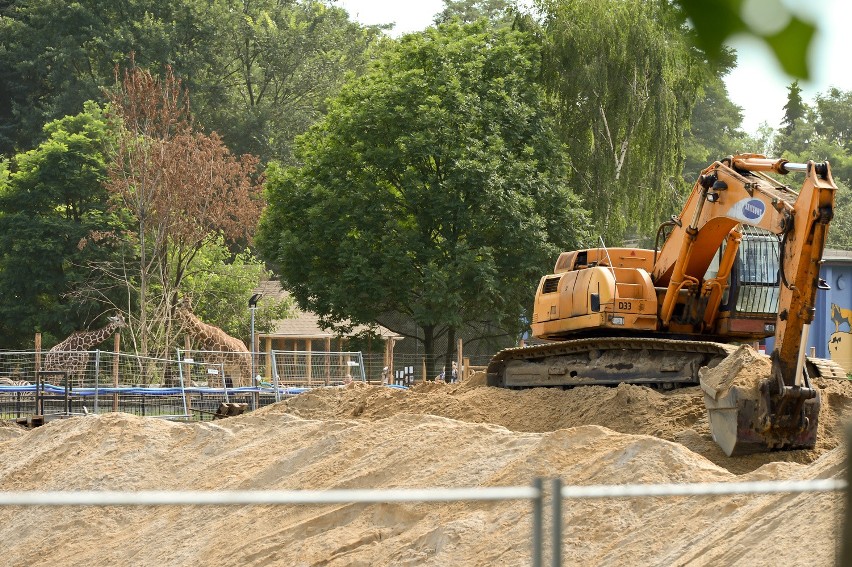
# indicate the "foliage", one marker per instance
pixel 501 13
pixel 259 70
pixel 820 133
pixel 181 187
pixel 794 109
pixel 57 54
pixel 276 63
pixel 835 111
pixel 771 22
pixel 222 283
pixel 714 129
pixel 624 84
pixel 433 187
pixel 55 224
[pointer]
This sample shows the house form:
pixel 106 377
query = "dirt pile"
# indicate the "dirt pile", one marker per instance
pixel 433 435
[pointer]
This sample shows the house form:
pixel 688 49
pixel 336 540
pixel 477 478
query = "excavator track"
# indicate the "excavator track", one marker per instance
pixel 665 363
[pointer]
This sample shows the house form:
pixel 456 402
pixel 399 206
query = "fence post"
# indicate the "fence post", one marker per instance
pixel 275 375
pixel 116 343
pixel 37 352
pixel 537 522
pixel 556 533
pixel 97 372
pixel 846 537
pixel 187 403
pixel 224 381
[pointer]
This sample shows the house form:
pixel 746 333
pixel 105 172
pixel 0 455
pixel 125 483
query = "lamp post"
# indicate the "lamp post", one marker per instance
pixel 252 303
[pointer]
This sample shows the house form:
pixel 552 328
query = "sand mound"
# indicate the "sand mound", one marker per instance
pixel 432 435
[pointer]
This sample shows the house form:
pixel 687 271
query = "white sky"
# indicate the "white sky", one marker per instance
pixel 758 84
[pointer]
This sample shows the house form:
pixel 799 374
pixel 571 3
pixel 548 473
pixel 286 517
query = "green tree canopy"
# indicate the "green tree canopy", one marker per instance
pixel 624 76
pixel 55 55
pixel 55 225
pixel 259 70
pixel 835 117
pixel 433 187
pixel 499 12
pixel 795 108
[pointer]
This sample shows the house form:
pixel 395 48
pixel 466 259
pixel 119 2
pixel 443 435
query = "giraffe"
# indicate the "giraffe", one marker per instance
pixel 226 350
pixel 72 354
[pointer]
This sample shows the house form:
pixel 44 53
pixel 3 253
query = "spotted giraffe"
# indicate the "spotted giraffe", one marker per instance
pixel 72 354
pixel 222 348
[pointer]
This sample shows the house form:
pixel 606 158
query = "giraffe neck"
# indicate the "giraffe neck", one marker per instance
pixel 98 336
pixel 197 328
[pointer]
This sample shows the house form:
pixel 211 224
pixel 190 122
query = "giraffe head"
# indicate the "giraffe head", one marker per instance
pixel 117 321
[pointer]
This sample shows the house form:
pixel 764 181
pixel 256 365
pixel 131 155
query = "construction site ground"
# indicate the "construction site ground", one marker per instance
pixel 432 435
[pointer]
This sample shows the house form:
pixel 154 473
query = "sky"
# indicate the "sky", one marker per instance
pixel 757 85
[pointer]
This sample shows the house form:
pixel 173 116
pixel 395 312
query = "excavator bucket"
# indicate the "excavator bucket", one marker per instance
pixel 750 412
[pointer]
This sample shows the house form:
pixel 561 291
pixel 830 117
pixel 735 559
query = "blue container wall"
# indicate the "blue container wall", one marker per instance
pixel 831 331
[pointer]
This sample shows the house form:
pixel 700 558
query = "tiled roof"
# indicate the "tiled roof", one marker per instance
pixel 305 324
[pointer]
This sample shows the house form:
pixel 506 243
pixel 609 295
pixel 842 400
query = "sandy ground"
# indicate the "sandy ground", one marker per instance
pixel 434 435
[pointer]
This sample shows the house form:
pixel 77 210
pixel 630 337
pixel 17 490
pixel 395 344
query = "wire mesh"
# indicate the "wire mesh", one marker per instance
pixel 192 386
pixel 312 369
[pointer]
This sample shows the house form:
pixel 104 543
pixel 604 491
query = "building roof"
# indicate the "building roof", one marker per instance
pixel 835 256
pixel 305 325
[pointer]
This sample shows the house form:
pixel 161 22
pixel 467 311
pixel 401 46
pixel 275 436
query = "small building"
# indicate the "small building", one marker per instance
pixel 304 333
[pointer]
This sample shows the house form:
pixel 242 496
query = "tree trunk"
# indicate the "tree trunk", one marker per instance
pixel 451 354
pixel 429 350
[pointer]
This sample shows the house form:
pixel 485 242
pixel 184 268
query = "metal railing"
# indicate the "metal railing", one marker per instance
pixel 535 493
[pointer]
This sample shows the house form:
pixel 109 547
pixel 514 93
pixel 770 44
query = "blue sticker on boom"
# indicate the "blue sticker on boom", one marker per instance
pixel 753 209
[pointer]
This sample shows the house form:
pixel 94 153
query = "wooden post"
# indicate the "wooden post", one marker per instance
pixel 308 347
pixel 391 342
pixel 116 343
pixel 467 370
pixel 187 375
pixel 423 368
pixel 268 359
pixel 327 360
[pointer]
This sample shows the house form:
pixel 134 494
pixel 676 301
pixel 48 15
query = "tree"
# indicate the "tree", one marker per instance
pixel 56 222
pixel 276 64
pixel 223 282
pixel 433 187
pixel 795 107
pixel 500 13
pixel 714 129
pixel 625 85
pixel 181 187
pixel 259 70
pixel 57 54
pixel 834 109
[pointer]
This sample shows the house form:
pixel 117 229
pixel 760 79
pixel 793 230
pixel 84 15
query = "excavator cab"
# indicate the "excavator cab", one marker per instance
pixel 749 304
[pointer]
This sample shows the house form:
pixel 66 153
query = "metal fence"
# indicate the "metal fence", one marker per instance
pixel 190 386
pixel 536 494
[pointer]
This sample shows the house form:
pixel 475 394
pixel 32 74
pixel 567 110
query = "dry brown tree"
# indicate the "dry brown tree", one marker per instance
pixel 181 186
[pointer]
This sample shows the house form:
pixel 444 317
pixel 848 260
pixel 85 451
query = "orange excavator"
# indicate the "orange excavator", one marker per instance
pixel 739 264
